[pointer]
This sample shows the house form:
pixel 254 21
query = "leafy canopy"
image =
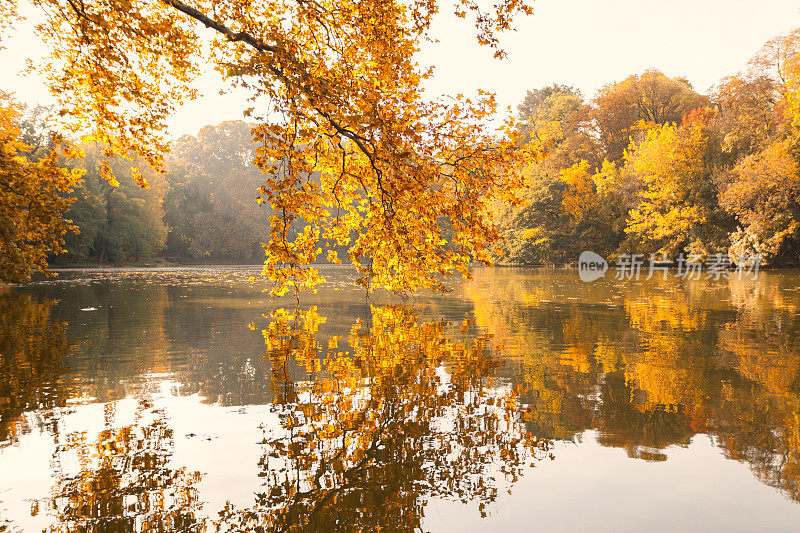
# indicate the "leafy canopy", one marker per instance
pixel 403 180
pixel 34 190
pixel 649 98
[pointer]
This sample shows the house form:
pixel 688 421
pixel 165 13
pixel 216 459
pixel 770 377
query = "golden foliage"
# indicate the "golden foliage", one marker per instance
pixel 121 478
pixel 764 191
pixel 403 414
pixel 353 152
pixel 673 166
pixel 624 108
pixel 34 191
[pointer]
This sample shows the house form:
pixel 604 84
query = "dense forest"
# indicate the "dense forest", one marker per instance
pixel 651 166
pixel 202 209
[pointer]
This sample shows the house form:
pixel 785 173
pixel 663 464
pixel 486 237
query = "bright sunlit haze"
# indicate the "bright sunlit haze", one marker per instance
pixel 584 43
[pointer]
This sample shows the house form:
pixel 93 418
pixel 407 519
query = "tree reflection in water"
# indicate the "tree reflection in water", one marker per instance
pixel 373 425
pixel 403 414
pixel 121 479
pixel 32 349
pixel 668 360
pixel 397 413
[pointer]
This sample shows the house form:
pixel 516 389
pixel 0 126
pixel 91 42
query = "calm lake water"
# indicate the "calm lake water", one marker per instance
pixel 523 400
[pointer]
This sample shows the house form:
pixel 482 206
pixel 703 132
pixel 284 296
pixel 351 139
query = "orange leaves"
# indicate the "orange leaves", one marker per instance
pixel 581 199
pixel 107 174
pixel 138 178
pixel 387 172
pixel 652 97
pixel 34 191
pixel 760 190
pixel 375 412
pixel 117 70
pixel 8 16
pixel 490 24
pixel 673 166
pixel 353 153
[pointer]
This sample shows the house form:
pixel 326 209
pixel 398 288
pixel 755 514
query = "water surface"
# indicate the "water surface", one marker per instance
pixel 180 399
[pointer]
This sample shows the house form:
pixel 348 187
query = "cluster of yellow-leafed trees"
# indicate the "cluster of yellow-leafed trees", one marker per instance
pixel 34 194
pixel 356 157
pixel 649 165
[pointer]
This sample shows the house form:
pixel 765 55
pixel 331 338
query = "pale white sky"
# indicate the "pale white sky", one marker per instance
pixel 586 43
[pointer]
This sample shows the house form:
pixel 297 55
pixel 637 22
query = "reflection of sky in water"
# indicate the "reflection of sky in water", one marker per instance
pixel 221 441
pixel 589 487
pixel 647 390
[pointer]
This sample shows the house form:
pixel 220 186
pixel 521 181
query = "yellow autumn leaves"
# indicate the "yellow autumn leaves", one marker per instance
pixel 34 193
pixel 352 152
pixel 364 421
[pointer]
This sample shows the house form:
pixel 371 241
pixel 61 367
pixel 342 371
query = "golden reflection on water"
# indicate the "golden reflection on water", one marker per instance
pixel 374 412
pixel 121 479
pixel 669 360
pixel 32 348
pixel 401 413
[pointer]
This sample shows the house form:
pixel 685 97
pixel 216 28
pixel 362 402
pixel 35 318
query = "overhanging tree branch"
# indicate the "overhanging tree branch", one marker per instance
pixel 221 28
pixel 259 45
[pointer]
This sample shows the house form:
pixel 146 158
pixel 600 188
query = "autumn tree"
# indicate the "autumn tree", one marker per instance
pixel 763 191
pixel 34 195
pixel 678 209
pixel 342 87
pixel 750 113
pixel 678 171
pixel 561 208
pixel 621 109
pixel 560 216
pixel 779 62
pixel 576 197
pixel 558 118
pixel 759 120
